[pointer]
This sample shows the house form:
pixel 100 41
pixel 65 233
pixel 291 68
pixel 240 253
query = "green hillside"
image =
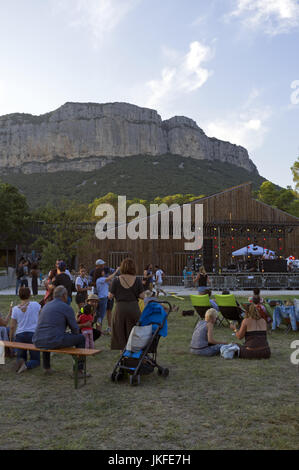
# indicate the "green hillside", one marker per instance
pixel 142 176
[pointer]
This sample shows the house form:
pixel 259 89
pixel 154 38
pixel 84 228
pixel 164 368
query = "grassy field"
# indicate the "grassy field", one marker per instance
pixel 205 403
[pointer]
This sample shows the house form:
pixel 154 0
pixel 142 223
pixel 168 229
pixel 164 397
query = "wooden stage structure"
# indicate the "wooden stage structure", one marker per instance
pixel 232 219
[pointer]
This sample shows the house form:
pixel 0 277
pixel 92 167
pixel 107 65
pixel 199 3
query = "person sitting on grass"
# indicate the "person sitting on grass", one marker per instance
pixel 23 324
pixel 256 300
pixel 285 311
pixel 203 342
pixel 50 333
pixel 256 293
pixel 254 329
pixel 212 302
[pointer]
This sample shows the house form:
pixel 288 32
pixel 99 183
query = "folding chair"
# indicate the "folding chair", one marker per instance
pixel 228 308
pixel 201 303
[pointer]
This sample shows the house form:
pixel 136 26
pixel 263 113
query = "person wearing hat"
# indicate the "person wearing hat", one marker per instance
pixel 62 279
pixel 100 264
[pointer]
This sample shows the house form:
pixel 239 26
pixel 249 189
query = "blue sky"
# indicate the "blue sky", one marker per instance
pixel 231 65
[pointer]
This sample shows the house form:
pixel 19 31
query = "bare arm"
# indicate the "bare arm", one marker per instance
pixel 242 331
pixel 109 278
pixel 13 327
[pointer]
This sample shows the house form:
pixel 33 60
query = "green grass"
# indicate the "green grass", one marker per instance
pixel 205 403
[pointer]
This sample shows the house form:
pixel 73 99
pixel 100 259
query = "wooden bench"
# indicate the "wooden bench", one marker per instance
pixel 76 353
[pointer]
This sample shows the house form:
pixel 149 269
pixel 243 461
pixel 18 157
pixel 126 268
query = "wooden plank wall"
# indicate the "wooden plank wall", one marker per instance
pixel 232 205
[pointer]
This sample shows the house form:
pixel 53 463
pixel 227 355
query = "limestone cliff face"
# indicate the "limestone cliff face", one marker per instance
pixel 86 136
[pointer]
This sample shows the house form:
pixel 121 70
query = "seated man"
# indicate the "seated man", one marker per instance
pixel 285 311
pixel 212 302
pixel 50 333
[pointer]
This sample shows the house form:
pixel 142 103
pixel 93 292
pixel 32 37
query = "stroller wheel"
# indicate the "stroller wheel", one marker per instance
pixel 163 372
pixel 117 376
pixel 135 380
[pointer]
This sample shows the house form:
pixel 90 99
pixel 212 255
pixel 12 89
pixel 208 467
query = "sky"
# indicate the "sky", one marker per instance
pixel 230 65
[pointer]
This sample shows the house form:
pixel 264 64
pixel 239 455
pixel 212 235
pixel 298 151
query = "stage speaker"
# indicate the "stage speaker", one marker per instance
pixel 275 266
pixel 207 254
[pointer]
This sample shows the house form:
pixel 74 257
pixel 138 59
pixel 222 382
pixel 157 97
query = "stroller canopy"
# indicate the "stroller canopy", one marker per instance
pixel 154 314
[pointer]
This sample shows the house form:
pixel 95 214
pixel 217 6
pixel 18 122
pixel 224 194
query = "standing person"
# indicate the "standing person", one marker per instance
pixel 94 273
pixel 62 279
pixel 127 289
pixel 159 281
pixel 50 333
pixel 102 286
pixel 34 278
pixel 23 324
pixel 66 270
pixel 201 280
pixel 82 286
pixel 85 320
pixel 148 277
pixel 49 288
pixel 20 275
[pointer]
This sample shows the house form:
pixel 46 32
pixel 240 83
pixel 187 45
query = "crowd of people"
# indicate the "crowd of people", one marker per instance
pixel 53 324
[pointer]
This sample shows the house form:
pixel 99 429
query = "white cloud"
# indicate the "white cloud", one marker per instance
pixel 273 16
pixel 247 128
pixel 185 75
pixel 97 16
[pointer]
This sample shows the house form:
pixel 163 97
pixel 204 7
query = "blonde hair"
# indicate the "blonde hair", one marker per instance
pixel 202 270
pixel 211 314
pixel 289 303
pixel 253 313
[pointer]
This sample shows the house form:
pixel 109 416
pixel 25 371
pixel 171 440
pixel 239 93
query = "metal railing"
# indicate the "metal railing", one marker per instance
pixel 240 281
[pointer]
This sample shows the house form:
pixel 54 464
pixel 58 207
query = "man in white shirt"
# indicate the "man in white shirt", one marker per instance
pixel 159 281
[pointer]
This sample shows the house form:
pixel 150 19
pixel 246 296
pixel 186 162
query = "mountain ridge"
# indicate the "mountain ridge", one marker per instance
pixel 87 136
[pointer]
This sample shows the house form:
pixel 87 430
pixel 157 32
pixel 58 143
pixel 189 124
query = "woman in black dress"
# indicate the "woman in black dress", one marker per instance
pixel 127 289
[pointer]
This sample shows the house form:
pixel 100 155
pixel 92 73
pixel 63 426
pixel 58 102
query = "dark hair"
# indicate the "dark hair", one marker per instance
pixel 225 292
pixel 34 266
pixel 256 300
pixel 24 293
pixel 128 267
pixel 87 309
pixel 52 274
pixel 207 292
pixel 256 291
pixel 98 273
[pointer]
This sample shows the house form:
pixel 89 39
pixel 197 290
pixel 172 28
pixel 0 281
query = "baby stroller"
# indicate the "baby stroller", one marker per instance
pixel 143 361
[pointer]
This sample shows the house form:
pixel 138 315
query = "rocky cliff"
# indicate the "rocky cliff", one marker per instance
pixel 87 136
